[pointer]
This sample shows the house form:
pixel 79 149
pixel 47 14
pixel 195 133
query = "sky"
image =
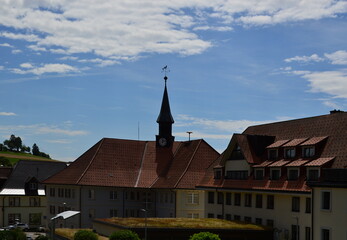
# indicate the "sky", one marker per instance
pixel 75 71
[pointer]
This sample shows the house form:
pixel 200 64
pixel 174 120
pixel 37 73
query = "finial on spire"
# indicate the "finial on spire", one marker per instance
pixel 165 69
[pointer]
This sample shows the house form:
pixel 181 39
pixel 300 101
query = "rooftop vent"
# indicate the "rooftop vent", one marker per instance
pixel 336 111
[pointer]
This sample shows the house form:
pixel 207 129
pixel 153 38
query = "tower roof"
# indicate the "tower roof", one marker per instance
pixel 165 112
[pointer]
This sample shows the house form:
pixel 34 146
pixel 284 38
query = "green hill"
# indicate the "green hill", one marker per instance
pixel 14 157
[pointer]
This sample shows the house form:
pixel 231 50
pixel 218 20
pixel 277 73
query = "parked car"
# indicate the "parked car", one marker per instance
pixel 22 226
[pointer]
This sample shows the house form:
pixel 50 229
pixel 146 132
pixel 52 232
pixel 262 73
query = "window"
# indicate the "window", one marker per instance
pixel 248 200
pixel 60 192
pixel 308 205
pixel 228 216
pixel 275 174
pixel 289 153
pixel 33 186
pixel 210 197
pixel 248 219
pixel 307 233
pixel 308 152
pixel 312 175
pixel 237 175
pixel 193 198
pixel 13 218
pixel 237 217
pixel 220 198
pixel 259 221
pixel 270 202
pixel 295 204
pixel 52 192
pixel 91 213
pixel 259 174
pixel 293 174
pixel 68 193
pixel 52 209
pixel 270 222
pixel 258 201
pixel 210 215
pixel 113 195
pixel 91 194
pixel 326 200
pixel 132 196
pixel 193 215
pixel 237 199
pixel 217 174
pixel 35 218
pixel 34 202
pixel 273 154
pixel 14 201
pixel 295 232
pixel 228 198
pixel 113 212
pixel 325 234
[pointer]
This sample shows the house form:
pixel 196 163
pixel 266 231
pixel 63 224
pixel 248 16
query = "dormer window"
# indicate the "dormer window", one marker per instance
pixel 273 154
pixel 293 174
pixel 217 173
pixel 275 174
pixel 33 186
pixel 308 152
pixel 259 174
pixel 289 152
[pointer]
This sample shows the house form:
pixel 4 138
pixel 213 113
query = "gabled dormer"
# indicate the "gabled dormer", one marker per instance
pixel 31 187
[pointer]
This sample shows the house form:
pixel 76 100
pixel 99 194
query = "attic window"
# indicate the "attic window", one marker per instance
pixel 259 174
pixel 33 186
pixel 237 153
pixel 272 154
pixel 289 152
pixel 217 174
pixel 308 152
pixel 275 174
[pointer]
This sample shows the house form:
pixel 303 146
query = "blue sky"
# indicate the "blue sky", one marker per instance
pixel 73 72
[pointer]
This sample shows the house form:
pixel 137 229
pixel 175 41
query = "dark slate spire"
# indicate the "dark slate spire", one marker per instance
pixel 165 112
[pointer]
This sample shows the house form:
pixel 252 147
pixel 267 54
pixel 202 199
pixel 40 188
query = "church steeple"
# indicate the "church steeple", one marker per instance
pixel 165 121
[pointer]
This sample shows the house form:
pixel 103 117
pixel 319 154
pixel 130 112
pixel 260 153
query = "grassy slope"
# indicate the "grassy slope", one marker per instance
pixel 16 156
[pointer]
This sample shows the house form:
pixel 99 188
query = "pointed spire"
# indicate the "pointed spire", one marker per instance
pixel 165 112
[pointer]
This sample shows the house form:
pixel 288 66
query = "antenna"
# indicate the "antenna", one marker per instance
pixel 189 132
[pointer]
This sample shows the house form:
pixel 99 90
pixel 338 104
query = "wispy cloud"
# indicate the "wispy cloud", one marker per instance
pixel 305 59
pixel 60 141
pixel 338 57
pixel 7 114
pixel 6 45
pixel 125 30
pixel 45 68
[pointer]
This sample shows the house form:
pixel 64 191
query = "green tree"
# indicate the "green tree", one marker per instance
pixel 41 237
pixel 204 236
pixel 17 143
pixel 35 150
pixel 124 235
pixel 16 234
pixel 5 162
pixel 85 235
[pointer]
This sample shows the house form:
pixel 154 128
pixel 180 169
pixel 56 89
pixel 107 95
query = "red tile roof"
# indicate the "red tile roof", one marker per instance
pixel 264 164
pixel 297 163
pixel 130 163
pixel 294 142
pixel 278 143
pixel 313 141
pixel 279 163
pixel 319 162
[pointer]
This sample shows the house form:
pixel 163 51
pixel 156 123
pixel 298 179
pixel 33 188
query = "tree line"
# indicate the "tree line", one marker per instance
pixel 15 144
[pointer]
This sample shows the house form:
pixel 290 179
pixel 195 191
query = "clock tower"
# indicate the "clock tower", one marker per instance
pixel 165 121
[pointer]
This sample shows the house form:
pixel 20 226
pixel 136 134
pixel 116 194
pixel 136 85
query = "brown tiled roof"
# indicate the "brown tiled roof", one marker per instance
pixel 278 143
pixel 315 129
pixel 130 163
pixel 319 162
pixel 294 142
pixel 279 163
pixel 313 141
pixel 297 163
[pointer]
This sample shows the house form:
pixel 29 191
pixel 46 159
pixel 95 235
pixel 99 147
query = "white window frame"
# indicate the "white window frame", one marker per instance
pixel 322 201
pixel 272 169
pixel 192 198
pixel 309 155
pixel 292 152
pixel 325 228
pixel 113 195
pixel 295 169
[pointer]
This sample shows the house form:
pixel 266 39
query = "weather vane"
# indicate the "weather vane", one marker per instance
pixel 165 69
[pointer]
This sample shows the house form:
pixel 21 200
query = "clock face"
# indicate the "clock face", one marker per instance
pixel 162 142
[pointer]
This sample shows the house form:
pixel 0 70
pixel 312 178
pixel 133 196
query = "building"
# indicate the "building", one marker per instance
pixel 262 177
pixel 23 197
pixel 131 178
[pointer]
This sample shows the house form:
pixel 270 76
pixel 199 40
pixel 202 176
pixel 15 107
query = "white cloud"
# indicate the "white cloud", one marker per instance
pixel 6 45
pixel 16 51
pixel 46 68
pixel 305 59
pixel 2 67
pixel 7 114
pixel 60 141
pixel 100 62
pixel 338 57
pixel 125 30
pixel 333 83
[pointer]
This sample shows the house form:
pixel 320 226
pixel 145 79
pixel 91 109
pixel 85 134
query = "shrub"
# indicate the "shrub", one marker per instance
pixel 85 235
pixel 41 237
pixel 16 234
pixel 124 235
pixel 204 236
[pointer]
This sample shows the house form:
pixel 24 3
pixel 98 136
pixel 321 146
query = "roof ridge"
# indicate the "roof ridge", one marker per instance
pixel 190 161
pixel 142 160
pixel 96 152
